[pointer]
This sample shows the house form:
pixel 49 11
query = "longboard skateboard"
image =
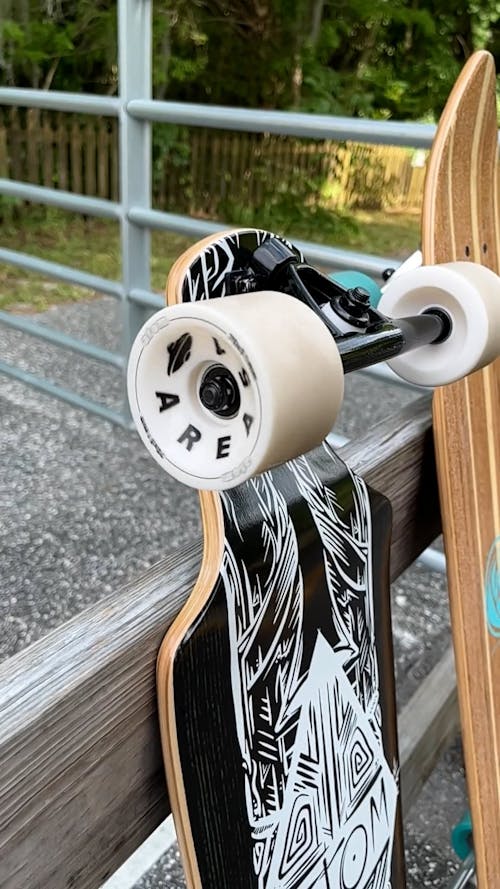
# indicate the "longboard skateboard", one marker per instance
pixel 282 660
pixel 460 221
pixel 275 683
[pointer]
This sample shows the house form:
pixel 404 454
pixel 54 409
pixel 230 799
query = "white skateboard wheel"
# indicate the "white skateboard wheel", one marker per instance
pixel 470 295
pixel 414 261
pixel 223 389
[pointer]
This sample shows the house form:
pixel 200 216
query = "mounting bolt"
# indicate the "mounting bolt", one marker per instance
pixel 219 393
pixel 359 296
pixel 354 305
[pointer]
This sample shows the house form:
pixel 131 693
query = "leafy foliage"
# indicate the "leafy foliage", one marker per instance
pixel 396 58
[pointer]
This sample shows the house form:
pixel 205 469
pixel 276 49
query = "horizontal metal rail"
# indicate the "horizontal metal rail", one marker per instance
pixel 147 299
pixel 331 257
pixel 67 395
pixel 434 560
pixel 145 109
pixel 176 222
pixel 65 200
pixel 61 272
pixel 334 258
pixel 57 338
pixel 285 123
pixel 52 100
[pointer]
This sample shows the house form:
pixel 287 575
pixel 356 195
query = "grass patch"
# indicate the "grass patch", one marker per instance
pixel 390 234
pixel 93 246
pixel 88 245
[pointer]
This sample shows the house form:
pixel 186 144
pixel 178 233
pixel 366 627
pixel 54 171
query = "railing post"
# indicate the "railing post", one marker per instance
pixel 134 77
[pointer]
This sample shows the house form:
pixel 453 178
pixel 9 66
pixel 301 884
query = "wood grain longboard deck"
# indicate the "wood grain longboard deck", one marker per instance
pixel 460 222
pixel 275 683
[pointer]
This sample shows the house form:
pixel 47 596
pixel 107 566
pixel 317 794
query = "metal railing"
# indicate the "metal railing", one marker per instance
pixel 135 111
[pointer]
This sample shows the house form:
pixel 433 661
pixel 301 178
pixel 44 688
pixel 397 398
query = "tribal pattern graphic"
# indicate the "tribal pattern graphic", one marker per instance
pixel 206 276
pixel 321 798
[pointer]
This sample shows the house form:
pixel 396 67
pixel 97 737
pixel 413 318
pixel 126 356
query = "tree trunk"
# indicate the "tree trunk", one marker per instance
pixel 317 18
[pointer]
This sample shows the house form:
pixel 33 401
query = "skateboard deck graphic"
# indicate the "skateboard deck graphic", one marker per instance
pixel 275 683
pixel 460 222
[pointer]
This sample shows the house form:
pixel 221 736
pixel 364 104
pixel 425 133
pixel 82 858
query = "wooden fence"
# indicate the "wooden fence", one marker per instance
pixel 60 151
pixel 207 172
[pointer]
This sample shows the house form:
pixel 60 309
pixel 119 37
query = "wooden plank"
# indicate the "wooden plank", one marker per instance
pixel 103 147
pixel 76 156
pixel 90 151
pixel 427 724
pixel 3 150
pixel 47 147
pixel 16 144
pixel 82 783
pixel 461 220
pixel 397 458
pixel 32 145
pixel 62 139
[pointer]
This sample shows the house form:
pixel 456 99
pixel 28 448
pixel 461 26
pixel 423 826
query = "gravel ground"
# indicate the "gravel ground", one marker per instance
pixel 84 510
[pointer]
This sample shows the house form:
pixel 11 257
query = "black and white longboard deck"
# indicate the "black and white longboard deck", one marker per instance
pixel 275 683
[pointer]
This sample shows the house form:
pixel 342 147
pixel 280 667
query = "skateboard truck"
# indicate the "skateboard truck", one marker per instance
pixel 276 266
pixel 219 393
pixel 242 396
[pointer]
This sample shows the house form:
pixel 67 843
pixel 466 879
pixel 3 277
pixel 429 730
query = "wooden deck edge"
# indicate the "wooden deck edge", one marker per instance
pixel 81 783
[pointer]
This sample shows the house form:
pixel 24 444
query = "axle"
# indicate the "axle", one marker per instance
pixel 391 338
pixel 363 335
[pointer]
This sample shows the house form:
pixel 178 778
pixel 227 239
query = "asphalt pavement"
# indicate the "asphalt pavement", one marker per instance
pixel 84 509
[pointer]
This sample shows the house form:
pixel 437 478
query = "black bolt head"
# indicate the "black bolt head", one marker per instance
pixel 359 296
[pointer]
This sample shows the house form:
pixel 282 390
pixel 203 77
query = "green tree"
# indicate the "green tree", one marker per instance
pixel 60 44
pixel 397 58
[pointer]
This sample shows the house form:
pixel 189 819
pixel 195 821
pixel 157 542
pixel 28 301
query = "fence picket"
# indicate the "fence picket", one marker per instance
pixel 47 145
pixel 114 163
pixel 32 173
pixel 65 152
pixel 90 158
pixel 102 162
pixel 62 153
pixel 15 139
pixel 3 153
pixel 76 157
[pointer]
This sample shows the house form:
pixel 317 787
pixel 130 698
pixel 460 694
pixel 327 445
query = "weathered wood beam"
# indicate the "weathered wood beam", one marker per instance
pixel 427 724
pixel 81 778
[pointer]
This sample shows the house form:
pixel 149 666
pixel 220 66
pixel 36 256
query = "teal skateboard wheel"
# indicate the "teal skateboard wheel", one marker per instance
pixel 359 279
pixel 461 837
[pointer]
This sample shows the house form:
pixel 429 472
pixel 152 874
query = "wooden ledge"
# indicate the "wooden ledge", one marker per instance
pixel 81 783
